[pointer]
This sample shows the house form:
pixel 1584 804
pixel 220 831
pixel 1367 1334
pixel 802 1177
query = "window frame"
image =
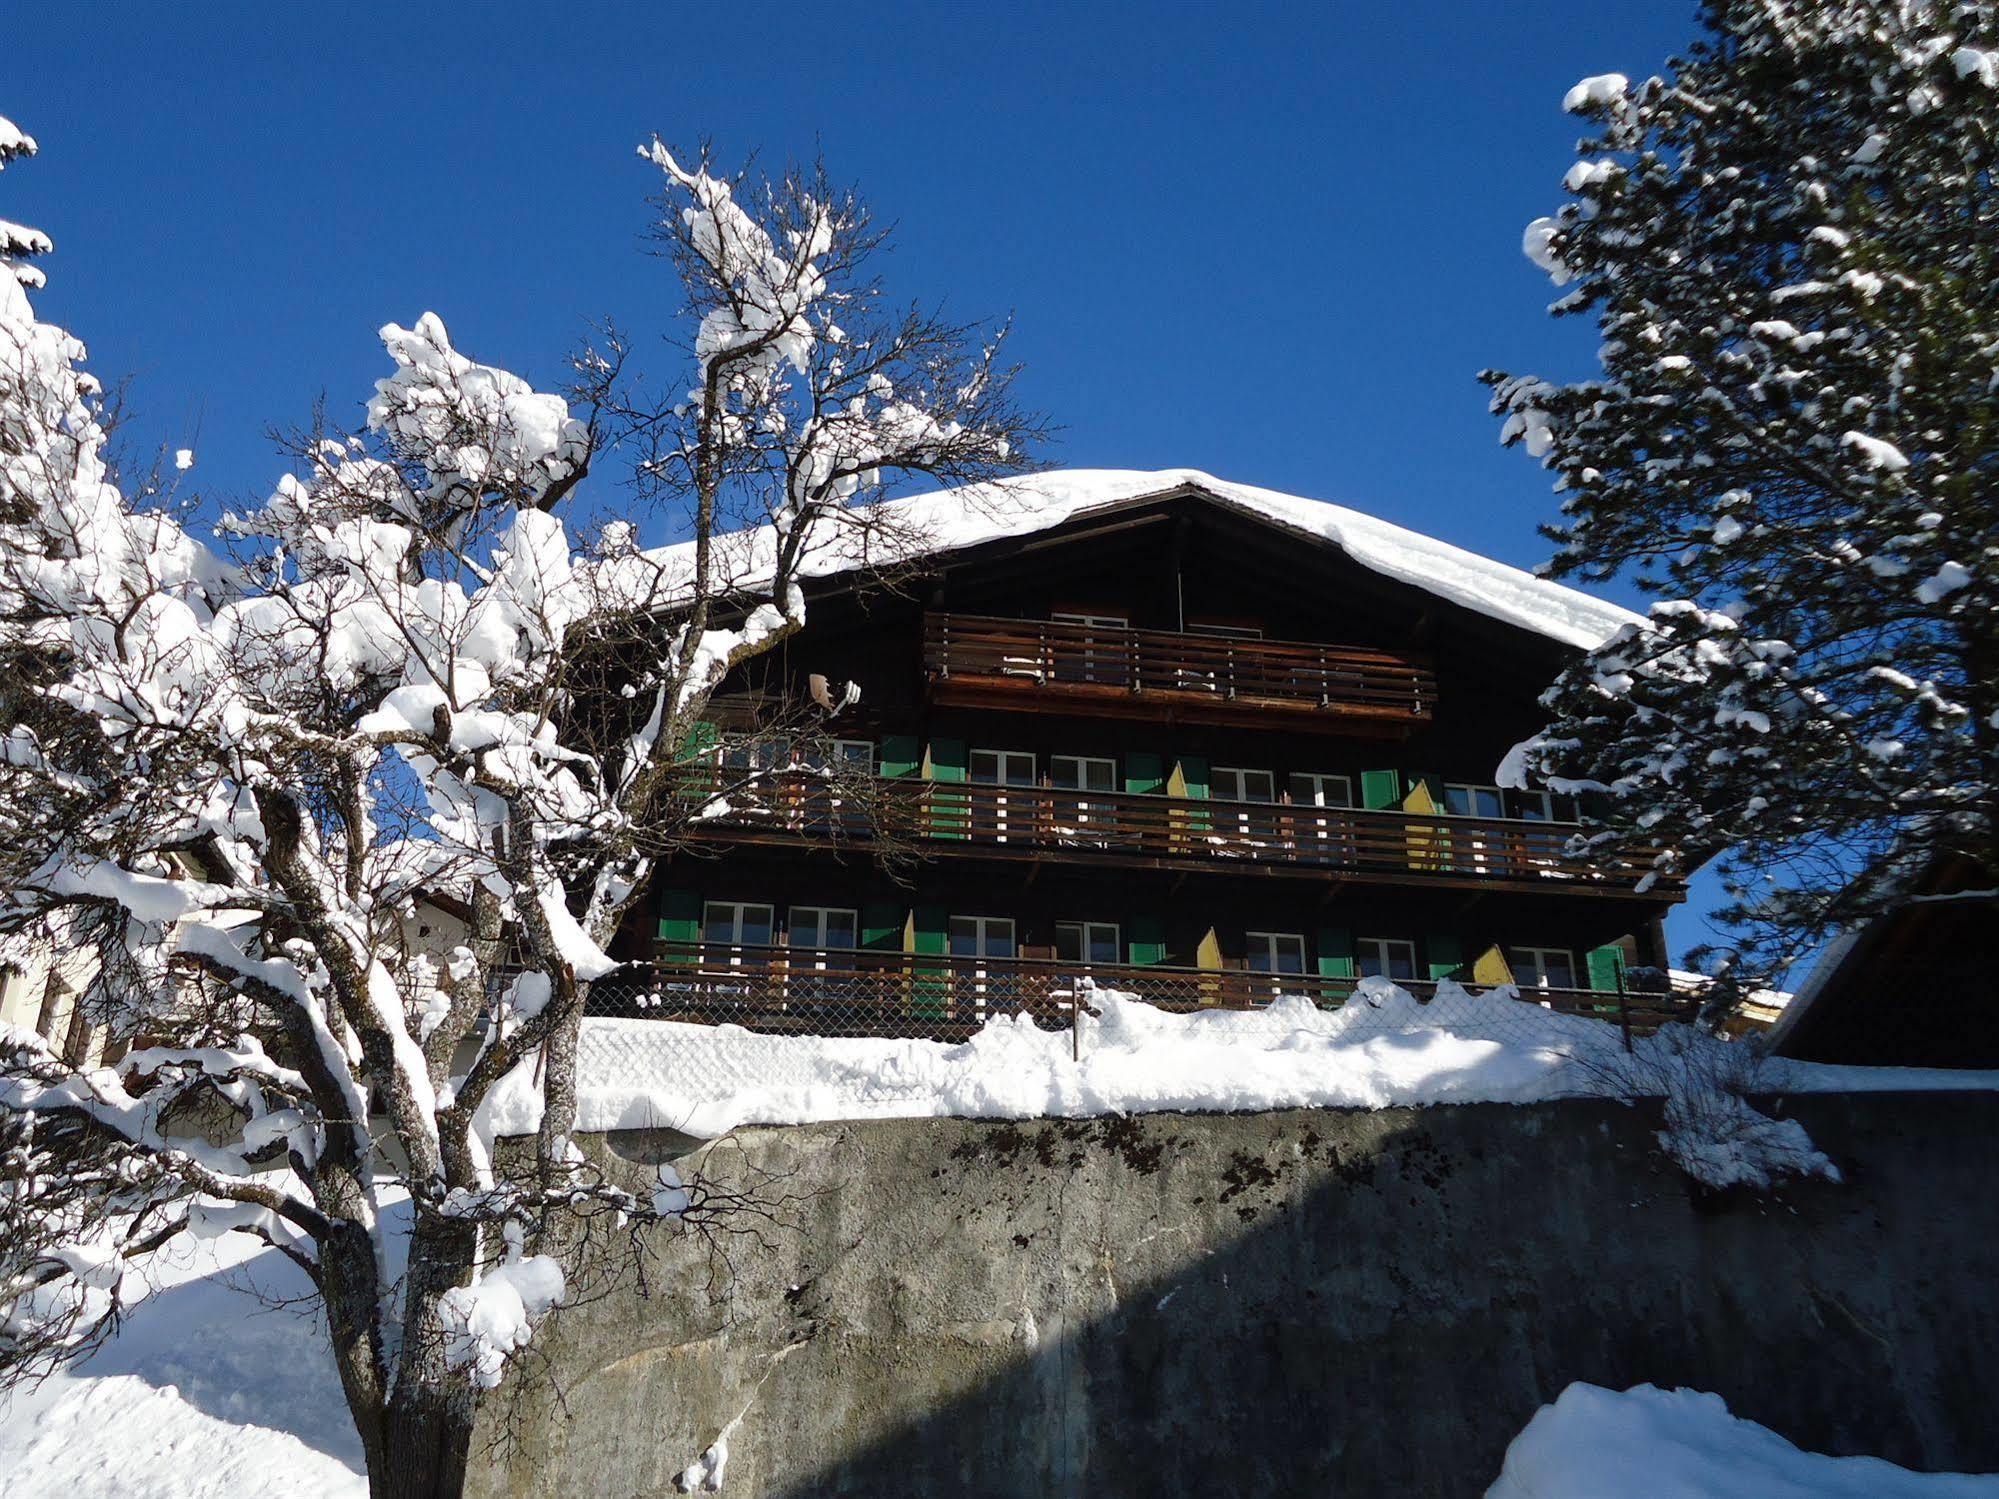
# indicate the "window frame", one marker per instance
pixel 1109 762
pixel 736 923
pixel 1567 954
pixel 1216 772
pixel 1360 951
pixel 1513 798
pixel 1319 776
pixel 1475 787
pixel 983 923
pixel 1085 928
pixel 1003 755
pixel 1269 939
pixel 852 914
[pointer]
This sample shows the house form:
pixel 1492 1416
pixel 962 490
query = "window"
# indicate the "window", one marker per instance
pixel 1087 822
pixel 1095 647
pixel 1542 967
pixel 1002 767
pixel 1081 773
pixel 742 753
pixel 1233 785
pixel 1086 942
pixel 734 923
pixel 830 928
pixel 1274 952
pixel 1310 789
pixel 822 802
pixel 849 756
pixel 1473 801
pixel 976 940
pixel 1385 957
pixel 1227 632
pixel 982 937
pixel 1532 806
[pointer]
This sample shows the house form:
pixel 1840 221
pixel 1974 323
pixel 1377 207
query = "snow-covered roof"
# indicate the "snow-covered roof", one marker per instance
pixel 953 519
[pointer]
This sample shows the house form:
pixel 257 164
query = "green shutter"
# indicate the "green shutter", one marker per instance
pixel 1380 789
pixel 1606 967
pixel 1145 939
pixel 1335 953
pixel 901 755
pixel 930 983
pixel 1144 775
pixel 1446 956
pixel 679 922
pixel 881 926
pixel 950 811
pixel 696 749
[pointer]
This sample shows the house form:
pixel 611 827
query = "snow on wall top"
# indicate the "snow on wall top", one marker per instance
pixel 953 519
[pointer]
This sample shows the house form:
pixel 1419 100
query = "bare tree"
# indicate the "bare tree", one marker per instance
pixel 402 680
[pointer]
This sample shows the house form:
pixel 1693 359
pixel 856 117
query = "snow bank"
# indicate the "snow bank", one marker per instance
pixel 953 518
pixel 206 1392
pixel 1382 1048
pixel 1648 1443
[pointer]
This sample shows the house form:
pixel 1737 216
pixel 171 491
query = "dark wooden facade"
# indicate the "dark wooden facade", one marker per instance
pixel 1248 662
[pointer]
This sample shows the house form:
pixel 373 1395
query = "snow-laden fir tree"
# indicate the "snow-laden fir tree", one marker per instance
pixel 1790 243
pixel 238 762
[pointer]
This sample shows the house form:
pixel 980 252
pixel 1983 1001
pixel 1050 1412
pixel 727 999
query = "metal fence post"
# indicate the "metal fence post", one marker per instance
pixel 1623 1011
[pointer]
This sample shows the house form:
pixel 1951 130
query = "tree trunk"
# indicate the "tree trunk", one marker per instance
pixel 426 1435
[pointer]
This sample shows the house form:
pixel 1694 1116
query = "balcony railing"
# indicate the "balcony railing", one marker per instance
pixel 1141 672
pixel 952 817
pixel 852 992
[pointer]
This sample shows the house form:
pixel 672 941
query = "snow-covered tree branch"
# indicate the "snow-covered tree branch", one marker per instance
pixel 1789 244
pixel 251 762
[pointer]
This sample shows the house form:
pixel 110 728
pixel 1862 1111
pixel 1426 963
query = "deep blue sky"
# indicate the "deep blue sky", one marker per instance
pixel 1272 242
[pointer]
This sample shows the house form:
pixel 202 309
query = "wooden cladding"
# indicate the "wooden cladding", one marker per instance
pixel 853 992
pixel 946 816
pixel 1025 663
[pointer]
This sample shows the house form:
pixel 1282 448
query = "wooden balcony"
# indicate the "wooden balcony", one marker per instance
pixel 856 992
pixel 1031 664
pixel 1039 824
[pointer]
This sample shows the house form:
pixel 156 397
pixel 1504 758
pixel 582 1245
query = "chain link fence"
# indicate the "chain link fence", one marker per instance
pixel 741 1023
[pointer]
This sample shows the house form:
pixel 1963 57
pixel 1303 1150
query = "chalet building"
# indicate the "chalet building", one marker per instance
pixel 1157 731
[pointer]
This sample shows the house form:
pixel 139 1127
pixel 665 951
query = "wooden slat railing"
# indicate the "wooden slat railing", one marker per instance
pixel 938 815
pixel 849 992
pixel 1195 669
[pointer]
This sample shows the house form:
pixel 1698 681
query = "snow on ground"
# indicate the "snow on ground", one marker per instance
pixel 207 1392
pixel 1648 1443
pixel 1381 1048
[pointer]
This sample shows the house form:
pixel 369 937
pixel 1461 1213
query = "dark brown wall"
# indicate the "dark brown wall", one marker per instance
pixel 1192 562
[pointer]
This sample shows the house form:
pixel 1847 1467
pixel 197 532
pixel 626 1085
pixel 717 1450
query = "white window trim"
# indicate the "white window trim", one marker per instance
pixel 1322 776
pixel 736 922
pixel 1498 796
pixel 1385 943
pixel 1267 941
pixel 1108 761
pixel 1033 768
pixel 1547 805
pixel 1215 772
pixel 1091 621
pixel 1540 954
pixel 822 912
pixel 1117 938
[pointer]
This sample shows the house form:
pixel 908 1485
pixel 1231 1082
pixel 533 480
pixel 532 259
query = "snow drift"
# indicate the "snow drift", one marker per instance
pixel 1648 1443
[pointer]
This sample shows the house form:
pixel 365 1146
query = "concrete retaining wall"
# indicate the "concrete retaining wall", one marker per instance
pixel 1299 1303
